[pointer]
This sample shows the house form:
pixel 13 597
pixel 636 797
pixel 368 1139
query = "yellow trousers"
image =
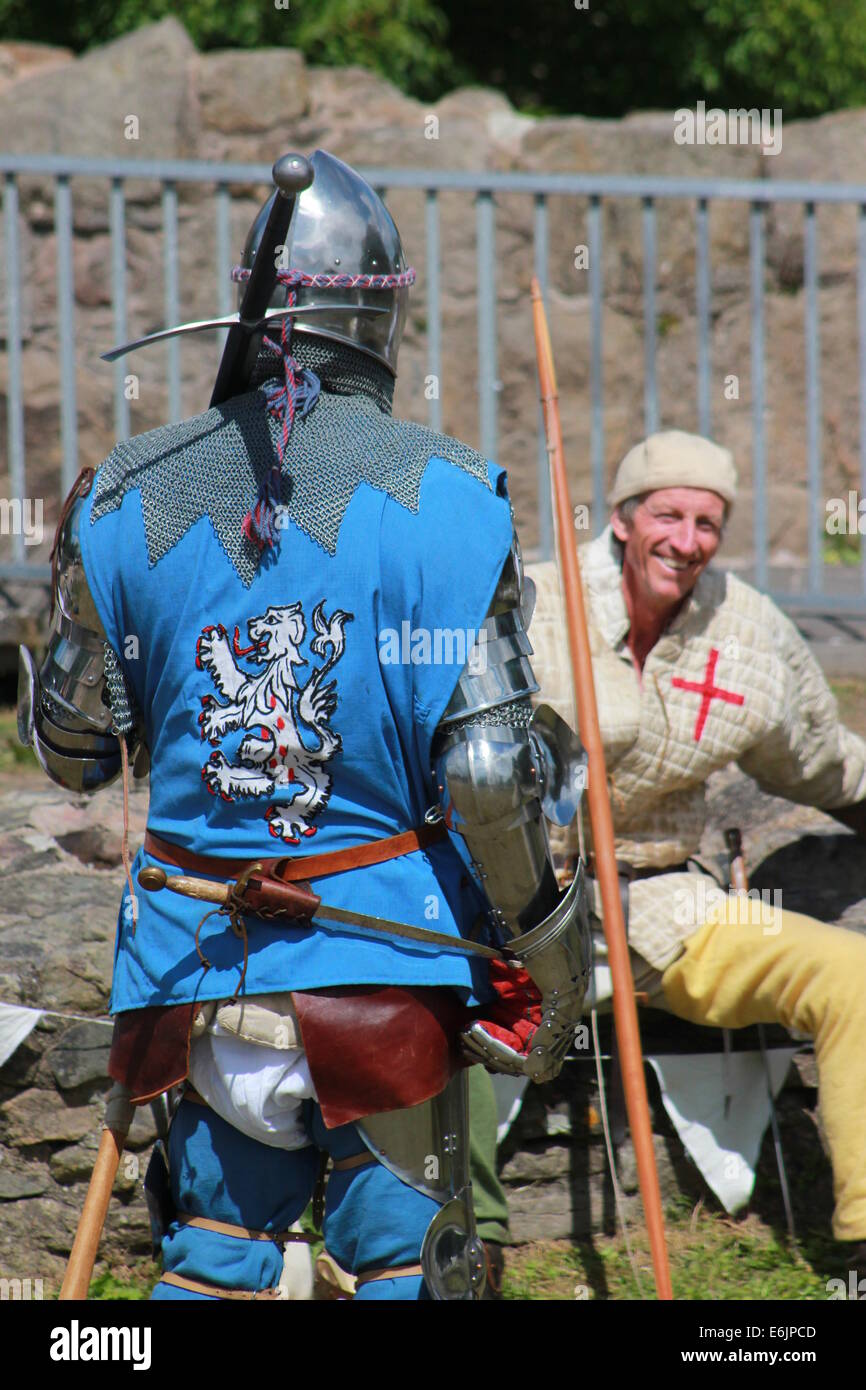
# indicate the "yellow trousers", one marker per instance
pixel 781 967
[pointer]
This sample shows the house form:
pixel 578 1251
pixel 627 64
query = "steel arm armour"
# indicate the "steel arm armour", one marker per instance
pixel 499 771
pixel 64 711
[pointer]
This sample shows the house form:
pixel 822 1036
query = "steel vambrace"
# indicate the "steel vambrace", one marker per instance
pixel 499 769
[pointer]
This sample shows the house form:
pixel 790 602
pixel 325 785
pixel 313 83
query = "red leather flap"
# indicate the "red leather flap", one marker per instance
pixel 150 1049
pixel 375 1047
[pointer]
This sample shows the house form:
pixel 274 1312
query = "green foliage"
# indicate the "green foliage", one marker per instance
pixel 803 56
pixel 666 323
pixel 614 56
pixel 403 40
pixel 842 549
pixel 13 755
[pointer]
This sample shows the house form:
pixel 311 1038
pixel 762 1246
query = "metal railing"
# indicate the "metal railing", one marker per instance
pixel 698 194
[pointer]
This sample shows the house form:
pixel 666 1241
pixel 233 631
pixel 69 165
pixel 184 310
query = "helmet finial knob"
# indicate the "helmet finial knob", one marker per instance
pixel 292 173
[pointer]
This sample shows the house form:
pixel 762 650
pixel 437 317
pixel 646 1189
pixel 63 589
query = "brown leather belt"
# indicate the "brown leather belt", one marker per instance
pixel 401 1272
pixel 224 1228
pixel 296 868
pixel 180 1281
pixel 341 1165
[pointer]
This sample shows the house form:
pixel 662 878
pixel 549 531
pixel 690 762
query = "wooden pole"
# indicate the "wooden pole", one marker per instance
pixel 79 1270
pixel 601 817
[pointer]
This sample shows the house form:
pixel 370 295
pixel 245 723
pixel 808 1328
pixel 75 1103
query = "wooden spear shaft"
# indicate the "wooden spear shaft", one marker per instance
pixel 76 1280
pixel 600 815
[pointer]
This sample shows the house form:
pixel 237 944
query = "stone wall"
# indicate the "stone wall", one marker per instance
pixel 61 877
pixel 253 105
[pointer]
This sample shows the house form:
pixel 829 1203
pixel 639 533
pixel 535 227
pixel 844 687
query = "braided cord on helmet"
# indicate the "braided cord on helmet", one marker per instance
pixel 293 279
pixel 300 387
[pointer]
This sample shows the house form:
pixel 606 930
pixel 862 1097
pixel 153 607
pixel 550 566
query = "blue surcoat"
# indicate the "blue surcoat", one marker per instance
pixel 289 704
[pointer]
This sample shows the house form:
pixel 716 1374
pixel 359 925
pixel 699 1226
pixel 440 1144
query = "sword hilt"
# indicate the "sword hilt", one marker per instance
pixel 254 891
pixel 153 879
pixel 292 173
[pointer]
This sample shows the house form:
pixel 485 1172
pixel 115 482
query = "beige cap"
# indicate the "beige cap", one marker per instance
pixel 673 458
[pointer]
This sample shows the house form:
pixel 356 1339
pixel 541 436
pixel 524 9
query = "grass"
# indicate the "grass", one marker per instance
pixel 711 1257
pixel 126 1283
pixel 13 755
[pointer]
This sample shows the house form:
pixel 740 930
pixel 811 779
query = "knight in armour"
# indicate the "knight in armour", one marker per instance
pixel 346 896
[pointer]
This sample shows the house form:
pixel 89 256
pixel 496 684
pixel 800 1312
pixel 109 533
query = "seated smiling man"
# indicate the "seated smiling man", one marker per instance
pixel 695 669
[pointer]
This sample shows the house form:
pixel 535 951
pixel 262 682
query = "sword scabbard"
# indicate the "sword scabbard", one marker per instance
pixel 271 894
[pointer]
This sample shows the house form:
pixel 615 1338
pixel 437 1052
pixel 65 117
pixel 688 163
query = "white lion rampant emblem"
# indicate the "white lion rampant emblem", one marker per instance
pixel 270 706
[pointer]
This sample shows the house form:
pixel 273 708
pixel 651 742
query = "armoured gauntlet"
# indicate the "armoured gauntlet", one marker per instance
pixel 500 770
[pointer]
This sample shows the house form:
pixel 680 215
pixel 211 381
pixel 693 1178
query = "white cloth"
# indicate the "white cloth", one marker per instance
pixel 296 1280
pixel 725 1147
pixel 719 1107
pixel 256 1088
pixel 16 1024
pixel 508 1094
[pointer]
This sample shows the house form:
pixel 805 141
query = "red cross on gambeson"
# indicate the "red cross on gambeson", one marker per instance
pixel 709 691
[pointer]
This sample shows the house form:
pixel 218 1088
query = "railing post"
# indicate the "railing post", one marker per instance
pixel 14 404
pixel 759 459
pixel 66 331
pixel 651 397
pixel 814 538
pixel 596 363
pixel 545 500
pixel 169 233
pixel 702 306
pixel 434 309
pixel 488 383
pixel 118 294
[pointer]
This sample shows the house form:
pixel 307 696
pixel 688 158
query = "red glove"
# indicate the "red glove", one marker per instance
pixel 513 1016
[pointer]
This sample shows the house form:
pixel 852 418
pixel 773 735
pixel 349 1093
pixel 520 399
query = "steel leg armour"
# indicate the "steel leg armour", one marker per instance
pixel 427 1147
